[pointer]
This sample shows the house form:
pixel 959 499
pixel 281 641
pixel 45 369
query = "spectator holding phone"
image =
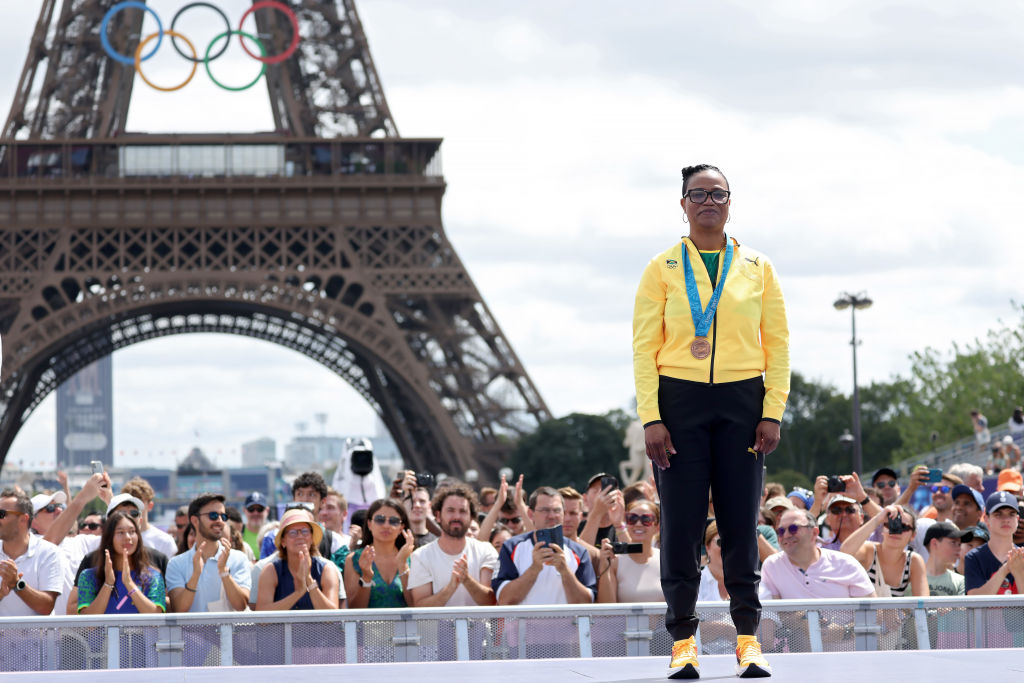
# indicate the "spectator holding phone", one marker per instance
pixel 536 572
pixel 894 569
pixel 606 508
pixel 632 576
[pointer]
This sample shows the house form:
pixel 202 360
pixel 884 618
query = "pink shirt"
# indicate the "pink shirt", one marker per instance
pixel 834 575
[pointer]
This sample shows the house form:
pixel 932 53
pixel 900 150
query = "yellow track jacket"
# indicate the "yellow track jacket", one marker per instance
pixel 749 335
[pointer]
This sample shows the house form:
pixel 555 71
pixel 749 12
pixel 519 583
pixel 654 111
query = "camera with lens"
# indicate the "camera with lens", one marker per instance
pixel 425 480
pixel 895 525
pixel 835 484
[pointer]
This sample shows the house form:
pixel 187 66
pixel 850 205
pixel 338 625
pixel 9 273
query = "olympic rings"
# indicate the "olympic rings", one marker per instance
pixel 227 34
pixel 138 61
pixel 295 31
pixel 216 9
pixel 116 56
pixel 208 57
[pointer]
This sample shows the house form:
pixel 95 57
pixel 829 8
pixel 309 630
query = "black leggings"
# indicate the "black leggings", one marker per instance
pixel 711 426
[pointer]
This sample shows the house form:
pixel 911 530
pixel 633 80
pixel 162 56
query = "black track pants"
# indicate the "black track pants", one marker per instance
pixel 711 426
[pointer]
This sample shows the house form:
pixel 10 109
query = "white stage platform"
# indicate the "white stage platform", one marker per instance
pixel 936 666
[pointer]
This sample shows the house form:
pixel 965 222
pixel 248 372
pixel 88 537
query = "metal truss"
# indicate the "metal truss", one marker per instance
pixel 69 88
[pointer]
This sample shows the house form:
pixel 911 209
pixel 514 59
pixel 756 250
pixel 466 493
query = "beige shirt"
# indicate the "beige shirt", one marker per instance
pixel 640 582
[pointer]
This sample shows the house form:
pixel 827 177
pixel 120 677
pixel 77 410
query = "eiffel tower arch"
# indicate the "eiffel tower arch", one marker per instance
pixel 323 236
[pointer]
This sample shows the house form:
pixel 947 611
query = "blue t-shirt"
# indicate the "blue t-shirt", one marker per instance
pixel 979 566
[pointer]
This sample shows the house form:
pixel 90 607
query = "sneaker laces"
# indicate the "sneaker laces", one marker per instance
pixel 750 649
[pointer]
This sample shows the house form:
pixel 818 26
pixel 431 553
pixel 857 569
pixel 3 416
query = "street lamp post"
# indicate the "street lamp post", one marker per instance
pixel 854 302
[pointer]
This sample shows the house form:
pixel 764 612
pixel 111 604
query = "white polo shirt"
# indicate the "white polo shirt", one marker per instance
pixel 160 540
pixel 41 567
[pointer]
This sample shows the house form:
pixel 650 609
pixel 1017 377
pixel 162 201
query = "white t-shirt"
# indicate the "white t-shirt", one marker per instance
pixel 160 540
pixel 42 567
pixel 431 564
pixel 75 548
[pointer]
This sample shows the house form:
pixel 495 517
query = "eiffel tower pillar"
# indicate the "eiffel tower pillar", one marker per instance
pixel 324 236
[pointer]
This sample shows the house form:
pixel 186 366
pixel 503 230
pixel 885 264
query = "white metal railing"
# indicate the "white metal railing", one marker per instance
pixel 523 632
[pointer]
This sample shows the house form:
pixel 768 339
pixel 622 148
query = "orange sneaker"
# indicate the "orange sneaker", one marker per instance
pixel 684 659
pixel 750 663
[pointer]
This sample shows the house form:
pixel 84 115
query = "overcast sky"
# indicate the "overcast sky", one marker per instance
pixel 870 145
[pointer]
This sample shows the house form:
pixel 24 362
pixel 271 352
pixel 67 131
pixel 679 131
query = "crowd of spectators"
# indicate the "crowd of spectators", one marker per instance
pixel 454 546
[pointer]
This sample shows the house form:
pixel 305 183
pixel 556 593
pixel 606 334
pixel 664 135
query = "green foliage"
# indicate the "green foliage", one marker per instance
pixel 568 450
pixel 790 479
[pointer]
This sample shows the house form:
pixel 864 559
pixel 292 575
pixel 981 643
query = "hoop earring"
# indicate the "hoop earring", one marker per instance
pixel 729 218
pixel 684 219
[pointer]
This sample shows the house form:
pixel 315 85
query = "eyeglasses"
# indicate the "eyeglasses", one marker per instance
pixel 256 508
pixel 887 484
pixel 4 513
pixel 91 526
pixel 792 529
pixel 393 521
pixel 943 489
pixel 646 520
pixel 510 520
pixel 51 508
pixel 214 516
pixel 848 510
pixel 303 533
pixel 701 196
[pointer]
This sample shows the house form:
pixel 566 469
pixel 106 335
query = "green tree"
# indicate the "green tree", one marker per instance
pixel 566 451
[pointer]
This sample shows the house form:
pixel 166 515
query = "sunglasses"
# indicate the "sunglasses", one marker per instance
pixel 848 510
pixel 646 520
pixel 510 520
pixel 718 541
pixel 214 516
pixel 4 513
pixel 131 512
pixel 942 489
pixel 51 508
pixel 792 530
pixel 91 526
pixel 886 484
pixel 393 521
pixel 256 508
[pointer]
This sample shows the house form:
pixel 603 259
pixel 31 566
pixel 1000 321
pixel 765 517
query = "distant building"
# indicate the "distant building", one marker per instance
pixel 313 452
pixel 259 452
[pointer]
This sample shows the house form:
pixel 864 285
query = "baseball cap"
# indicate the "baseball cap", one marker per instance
pixel 839 498
pixel 779 501
pixel 41 500
pixel 973 532
pixel 1001 499
pixel 803 494
pixel 255 498
pixel 961 489
pixel 122 498
pixel 943 530
pixel 1010 480
pixel 884 470
pixel 1007 439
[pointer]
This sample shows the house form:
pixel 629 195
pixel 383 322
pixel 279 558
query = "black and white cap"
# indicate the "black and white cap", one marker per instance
pixel 1001 499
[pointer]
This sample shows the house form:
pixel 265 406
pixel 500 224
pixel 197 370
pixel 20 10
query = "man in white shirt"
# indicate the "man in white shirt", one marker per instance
pixel 453 570
pixel 151 536
pixel 210 576
pixel 31 569
pixel 54 525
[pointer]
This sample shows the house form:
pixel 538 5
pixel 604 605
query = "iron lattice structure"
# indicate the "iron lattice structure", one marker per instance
pixel 324 237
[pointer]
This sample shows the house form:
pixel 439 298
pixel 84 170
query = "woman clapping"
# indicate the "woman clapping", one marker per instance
pixel 301 579
pixel 377 574
pixel 122 580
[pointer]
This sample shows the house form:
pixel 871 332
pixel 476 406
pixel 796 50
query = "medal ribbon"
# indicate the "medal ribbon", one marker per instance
pixel 702 322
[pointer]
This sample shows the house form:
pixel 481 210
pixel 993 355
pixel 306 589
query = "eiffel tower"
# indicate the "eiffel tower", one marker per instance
pixel 323 236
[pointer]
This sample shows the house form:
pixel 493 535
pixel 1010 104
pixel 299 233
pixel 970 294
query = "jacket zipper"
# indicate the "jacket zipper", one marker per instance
pixel 714 340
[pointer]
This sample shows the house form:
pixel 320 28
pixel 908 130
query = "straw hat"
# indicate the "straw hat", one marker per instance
pixel 298 516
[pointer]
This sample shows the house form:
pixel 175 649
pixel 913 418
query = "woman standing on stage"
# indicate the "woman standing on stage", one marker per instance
pixel 711 361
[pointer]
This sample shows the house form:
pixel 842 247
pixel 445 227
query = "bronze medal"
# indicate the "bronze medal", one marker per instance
pixel 700 348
